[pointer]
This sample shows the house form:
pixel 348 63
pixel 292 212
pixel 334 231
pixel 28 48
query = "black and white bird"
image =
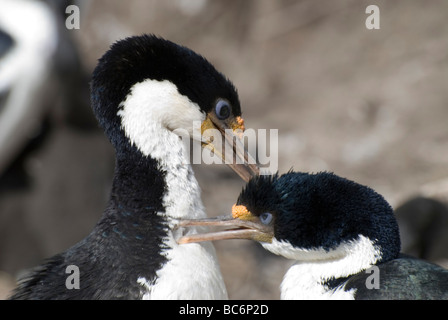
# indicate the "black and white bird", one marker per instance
pixel 40 75
pixel 145 91
pixel 338 232
pixel 28 44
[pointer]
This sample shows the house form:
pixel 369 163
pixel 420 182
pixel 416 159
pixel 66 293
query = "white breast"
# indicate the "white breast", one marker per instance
pixel 191 273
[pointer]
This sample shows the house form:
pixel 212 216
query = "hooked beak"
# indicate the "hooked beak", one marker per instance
pixel 230 148
pixel 242 225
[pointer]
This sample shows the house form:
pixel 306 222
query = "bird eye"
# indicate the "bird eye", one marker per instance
pixel 222 109
pixel 266 218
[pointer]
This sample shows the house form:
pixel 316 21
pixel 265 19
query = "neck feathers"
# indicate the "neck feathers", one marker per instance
pixel 164 179
pixel 307 278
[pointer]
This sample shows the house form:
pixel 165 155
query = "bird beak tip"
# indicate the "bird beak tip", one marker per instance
pixel 236 229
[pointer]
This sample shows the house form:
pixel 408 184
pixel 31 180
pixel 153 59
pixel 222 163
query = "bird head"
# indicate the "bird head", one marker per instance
pixel 145 85
pixel 310 217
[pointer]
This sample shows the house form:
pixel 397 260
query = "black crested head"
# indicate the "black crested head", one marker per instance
pixel 138 58
pixel 323 210
pixel 259 194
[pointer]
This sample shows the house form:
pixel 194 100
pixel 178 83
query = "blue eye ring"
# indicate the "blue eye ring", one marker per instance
pixel 266 218
pixel 222 109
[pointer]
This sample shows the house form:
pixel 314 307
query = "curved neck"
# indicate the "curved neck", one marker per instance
pixel 160 177
pixel 317 272
pixel 137 182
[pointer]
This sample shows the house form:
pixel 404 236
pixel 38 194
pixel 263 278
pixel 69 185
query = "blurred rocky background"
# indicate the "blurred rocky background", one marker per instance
pixel 369 105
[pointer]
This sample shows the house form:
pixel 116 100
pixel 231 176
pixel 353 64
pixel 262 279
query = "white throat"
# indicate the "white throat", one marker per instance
pixel 305 278
pixel 150 113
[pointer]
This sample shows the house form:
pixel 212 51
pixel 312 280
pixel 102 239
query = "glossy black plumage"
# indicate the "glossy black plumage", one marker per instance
pixel 124 245
pixel 403 278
